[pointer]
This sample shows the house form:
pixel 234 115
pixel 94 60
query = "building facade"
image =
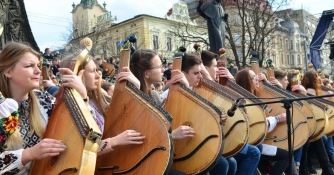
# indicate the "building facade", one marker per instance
pixel 289 48
pixel 154 33
pixel 307 25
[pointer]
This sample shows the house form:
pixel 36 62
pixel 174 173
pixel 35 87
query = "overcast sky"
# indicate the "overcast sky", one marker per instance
pixel 48 19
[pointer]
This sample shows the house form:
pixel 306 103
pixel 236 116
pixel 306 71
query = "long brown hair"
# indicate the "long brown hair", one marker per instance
pixel 290 75
pixel 9 57
pixel 139 63
pixel 244 80
pixel 310 80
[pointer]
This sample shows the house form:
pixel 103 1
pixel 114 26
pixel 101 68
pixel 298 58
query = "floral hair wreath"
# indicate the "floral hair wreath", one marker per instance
pixel 9 118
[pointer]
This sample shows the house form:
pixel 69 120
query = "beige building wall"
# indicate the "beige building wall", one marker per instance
pixel 84 19
pixel 146 28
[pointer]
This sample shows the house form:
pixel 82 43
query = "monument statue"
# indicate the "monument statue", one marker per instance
pixel 215 16
pixel 14 20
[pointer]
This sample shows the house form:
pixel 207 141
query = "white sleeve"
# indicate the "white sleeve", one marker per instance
pixel 272 122
pixel 11 163
pixel 164 95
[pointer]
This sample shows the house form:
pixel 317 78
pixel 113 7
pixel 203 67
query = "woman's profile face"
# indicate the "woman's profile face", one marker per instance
pixel 156 72
pixel 254 78
pixel 91 76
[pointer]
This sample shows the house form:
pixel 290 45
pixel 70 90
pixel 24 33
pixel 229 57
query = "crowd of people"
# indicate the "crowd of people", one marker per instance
pixel 27 102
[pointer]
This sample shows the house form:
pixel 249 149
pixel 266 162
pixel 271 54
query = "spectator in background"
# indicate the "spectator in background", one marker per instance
pixel 158 87
pixel 109 88
pixel 55 65
pixel 326 83
pixel 168 72
pixel 47 54
pixel 98 62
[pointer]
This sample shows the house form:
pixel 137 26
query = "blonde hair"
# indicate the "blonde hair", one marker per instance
pixel 95 95
pixel 9 56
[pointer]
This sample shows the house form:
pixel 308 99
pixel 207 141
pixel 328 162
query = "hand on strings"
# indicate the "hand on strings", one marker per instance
pixel 182 132
pixel 223 72
pixel 126 74
pixel 48 83
pixel 205 72
pixel 127 137
pixel 179 78
pixel 71 80
pixel 223 117
pixel 282 117
pixel 299 88
pixel 105 147
pixel 45 148
pixel 262 77
pixel 275 82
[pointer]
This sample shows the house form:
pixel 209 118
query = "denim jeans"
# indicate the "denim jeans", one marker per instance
pixel 175 172
pixel 221 168
pixel 247 163
pixel 297 155
pixel 328 142
pixel 232 166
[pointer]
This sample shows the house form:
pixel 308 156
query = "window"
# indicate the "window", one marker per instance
pixel 104 49
pixel 239 53
pixel 297 46
pixel 247 39
pixel 247 18
pixel 281 43
pixel 292 60
pixel 261 23
pixel 183 41
pixel 288 58
pixel 274 58
pixel 155 42
pixel 169 44
pixel 299 62
pixel 286 44
pixel 237 38
pixel 236 19
pixel 118 47
pixel 291 45
pixel 282 59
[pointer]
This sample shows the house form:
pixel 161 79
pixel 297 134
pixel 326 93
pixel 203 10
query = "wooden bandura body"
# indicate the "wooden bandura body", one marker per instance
pixel 321 118
pixel 236 128
pixel 199 154
pixel 303 105
pixel 329 108
pixel 324 91
pixel 318 112
pixel 256 116
pixel 73 124
pixel 110 67
pixel 131 109
pixel 279 136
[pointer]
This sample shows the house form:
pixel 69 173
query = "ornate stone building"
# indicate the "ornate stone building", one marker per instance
pixel 152 32
pixel 13 18
pixel 307 25
pixel 88 16
pixel 288 52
